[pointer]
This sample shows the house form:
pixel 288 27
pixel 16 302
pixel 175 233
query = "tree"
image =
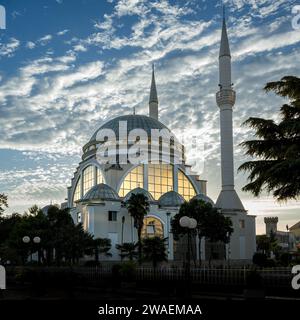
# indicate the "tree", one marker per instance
pixel 154 250
pixel 266 244
pixel 211 224
pixel 216 227
pixel 3 203
pixel 127 250
pixel 263 243
pixel 138 206
pixel 56 230
pixel 101 246
pixel 277 147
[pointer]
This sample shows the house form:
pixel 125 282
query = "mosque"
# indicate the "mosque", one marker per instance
pixel 98 189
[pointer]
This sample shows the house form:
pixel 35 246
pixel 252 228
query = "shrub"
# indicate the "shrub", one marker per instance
pixel 254 280
pixel 285 259
pixel 270 263
pixel 92 263
pixel 259 259
pixel 128 270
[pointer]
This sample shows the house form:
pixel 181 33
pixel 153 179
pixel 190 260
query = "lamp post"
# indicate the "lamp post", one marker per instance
pixel 36 240
pixel 189 224
pixel 228 250
pixel 123 221
pixel 288 238
pixel 168 231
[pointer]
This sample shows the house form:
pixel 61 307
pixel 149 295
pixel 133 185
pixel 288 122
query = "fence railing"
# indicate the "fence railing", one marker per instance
pixel 277 277
pixel 224 276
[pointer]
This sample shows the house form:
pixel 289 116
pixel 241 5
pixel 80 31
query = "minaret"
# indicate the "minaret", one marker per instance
pixel 153 100
pixel 228 198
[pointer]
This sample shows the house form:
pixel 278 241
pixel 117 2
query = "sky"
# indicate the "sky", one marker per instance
pixel 66 66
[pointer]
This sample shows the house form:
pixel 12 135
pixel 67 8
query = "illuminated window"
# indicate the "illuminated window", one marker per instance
pixel 100 178
pixel 185 188
pixel 134 179
pixel 88 179
pixel 160 179
pixel 77 192
pixel 152 228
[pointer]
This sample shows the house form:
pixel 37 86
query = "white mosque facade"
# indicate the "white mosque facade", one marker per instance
pixel 98 190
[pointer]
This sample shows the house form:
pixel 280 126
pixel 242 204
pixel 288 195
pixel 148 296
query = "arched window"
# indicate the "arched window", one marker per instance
pixel 88 179
pixel 185 187
pixel 152 228
pixel 160 179
pixel 77 192
pixel 134 179
pixel 100 178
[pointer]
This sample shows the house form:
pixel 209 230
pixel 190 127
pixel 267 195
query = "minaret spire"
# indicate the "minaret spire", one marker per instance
pixel 153 100
pixel 228 198
pixel 224 48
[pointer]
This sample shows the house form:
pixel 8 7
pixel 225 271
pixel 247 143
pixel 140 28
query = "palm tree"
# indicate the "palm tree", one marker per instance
pixel 127 250
pixel 99 246
pixel 277 147
pixel 154 250
pixel 138 206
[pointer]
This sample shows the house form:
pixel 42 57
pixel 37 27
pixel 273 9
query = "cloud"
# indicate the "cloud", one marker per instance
pixel 9 49
pixel 54 103
pixel 45 39
pixel 62 32
pixel 30 45
pixel 80 47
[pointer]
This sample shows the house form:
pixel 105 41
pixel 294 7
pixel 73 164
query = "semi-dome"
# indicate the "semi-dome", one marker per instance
pixel 102 192
pixel 134 121
pixel 202 196
pixel 171 199
pixel 137 191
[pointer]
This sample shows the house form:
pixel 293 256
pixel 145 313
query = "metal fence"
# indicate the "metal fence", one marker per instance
pixel 235 276
pixel 214 276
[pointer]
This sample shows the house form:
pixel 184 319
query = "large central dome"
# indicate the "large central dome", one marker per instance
pixel 134 121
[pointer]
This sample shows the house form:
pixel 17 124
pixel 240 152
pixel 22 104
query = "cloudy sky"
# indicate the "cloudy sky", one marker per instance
pixel 66 66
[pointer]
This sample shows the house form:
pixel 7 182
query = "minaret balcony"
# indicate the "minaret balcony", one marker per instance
pixel 226 97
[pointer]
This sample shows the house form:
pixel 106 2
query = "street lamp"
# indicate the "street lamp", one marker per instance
pixel 228 249
pixel 189 224
pixel 26 239
pixel 168 231
pixel 123 221
pixel 35 240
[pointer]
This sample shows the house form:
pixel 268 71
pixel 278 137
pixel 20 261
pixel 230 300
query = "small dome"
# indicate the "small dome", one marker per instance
pixel 101 191
pixel 46 209
pixel 202 196
pixel 171 199
pixel 139 190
